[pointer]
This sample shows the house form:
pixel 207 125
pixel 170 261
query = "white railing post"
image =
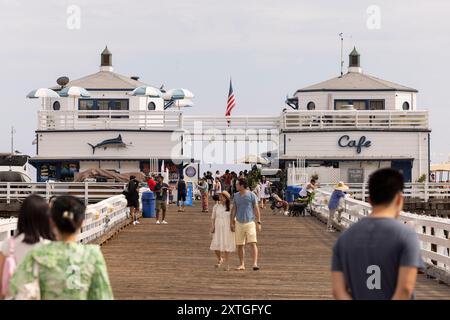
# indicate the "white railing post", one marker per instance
pixel 8 192
pixel 426 194
pixel 47 191
pixel 363 196
pixel 86 193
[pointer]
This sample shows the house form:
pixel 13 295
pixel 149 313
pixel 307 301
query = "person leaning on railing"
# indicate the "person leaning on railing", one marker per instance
pixel 64 269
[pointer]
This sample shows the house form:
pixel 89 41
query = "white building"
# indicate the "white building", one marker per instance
pixel 129 133
pixel 358 109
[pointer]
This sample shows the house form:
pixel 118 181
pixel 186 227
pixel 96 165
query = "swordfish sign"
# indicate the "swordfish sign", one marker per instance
pixel 109 143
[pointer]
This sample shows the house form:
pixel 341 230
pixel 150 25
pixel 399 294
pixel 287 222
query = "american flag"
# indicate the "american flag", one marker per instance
pixel 230 103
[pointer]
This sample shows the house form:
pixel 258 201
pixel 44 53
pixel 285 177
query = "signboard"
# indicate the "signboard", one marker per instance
pixel 346 142
pixel 356 175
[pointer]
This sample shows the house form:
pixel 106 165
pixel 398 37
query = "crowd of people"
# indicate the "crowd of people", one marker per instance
pixel 376 258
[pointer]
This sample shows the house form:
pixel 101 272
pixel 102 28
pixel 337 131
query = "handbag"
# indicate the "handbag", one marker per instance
pixel 31 290
pixel 9 267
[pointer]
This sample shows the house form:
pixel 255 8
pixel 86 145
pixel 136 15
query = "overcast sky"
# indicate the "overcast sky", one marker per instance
pixel 270 48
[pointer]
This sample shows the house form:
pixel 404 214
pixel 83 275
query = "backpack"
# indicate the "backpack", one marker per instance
pixel 126 191
pixel 9 267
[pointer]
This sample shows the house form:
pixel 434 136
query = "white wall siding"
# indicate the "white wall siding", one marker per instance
pixel 325 100
pixel 384 145
pixel 139 144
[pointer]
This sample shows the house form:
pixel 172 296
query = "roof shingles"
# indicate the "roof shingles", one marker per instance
pixel 355 81
pixel 105 80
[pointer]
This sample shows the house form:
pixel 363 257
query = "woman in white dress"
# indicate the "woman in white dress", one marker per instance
pixel 223 241
pixel 264 191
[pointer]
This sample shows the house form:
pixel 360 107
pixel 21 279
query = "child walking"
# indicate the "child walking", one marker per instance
pixel 223 241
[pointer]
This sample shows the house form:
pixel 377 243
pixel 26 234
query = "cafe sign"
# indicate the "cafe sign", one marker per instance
pixel 346 142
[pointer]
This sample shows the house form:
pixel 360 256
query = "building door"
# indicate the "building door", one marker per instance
pixel 405 167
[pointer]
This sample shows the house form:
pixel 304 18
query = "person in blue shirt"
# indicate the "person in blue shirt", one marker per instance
pixel 333 204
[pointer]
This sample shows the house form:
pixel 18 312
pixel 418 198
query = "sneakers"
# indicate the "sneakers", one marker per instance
pixel 134 223
pixel 157 222
pixel 164 222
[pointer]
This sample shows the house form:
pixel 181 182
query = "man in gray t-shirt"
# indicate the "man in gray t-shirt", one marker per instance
pixel 378 257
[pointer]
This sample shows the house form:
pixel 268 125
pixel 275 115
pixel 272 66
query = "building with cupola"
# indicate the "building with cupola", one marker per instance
pixel 97 121
pixel 348 126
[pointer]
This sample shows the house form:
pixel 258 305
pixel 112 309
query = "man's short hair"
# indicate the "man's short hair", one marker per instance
pixel 243 182
pixel 313 181
pixel 384 185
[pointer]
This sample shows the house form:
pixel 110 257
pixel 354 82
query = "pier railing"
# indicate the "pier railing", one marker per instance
pixel 433 232
pixel 423 191
pixel 287 121
pixel 109 119
pixel 357 119
pixel 100 219
pixel 88 191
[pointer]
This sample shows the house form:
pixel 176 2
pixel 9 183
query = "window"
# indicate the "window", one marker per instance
pixel 151 106
pixel 376 104
pixel 103 105
pixel 106 60
pixel 56 106
pixel 405 105
pixel 311 106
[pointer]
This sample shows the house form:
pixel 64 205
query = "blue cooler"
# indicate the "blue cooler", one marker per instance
pixel 148 204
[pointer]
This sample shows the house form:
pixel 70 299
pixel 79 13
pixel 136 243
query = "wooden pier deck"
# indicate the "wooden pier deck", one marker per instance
pixel 173 261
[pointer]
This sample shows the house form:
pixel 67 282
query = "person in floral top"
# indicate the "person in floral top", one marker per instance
pixel 66 270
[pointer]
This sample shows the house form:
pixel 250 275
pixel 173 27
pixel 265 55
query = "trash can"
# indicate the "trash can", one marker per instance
pixel 148 204
pixel 188 201
pixel 291 193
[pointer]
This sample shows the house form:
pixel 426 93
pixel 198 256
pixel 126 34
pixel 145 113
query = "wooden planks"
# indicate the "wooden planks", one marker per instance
pixel 173 261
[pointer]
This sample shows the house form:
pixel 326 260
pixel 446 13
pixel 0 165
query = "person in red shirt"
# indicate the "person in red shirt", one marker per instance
pixel 151 183
pixel 227 181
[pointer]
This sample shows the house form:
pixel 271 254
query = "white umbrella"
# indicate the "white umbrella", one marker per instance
pixel 74 92
pixel 253 159
pixel 178 94
pixel 184 103
pixel 42 93
pixel 147 91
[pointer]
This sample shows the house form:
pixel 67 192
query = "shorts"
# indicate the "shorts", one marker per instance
pixel 160 204
pixel 245 233
pixel 181 197
pixel 133 203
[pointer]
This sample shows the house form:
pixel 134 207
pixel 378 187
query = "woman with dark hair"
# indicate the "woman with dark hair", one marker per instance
pixel 33 229
pixel 64 269
pixel 223 241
